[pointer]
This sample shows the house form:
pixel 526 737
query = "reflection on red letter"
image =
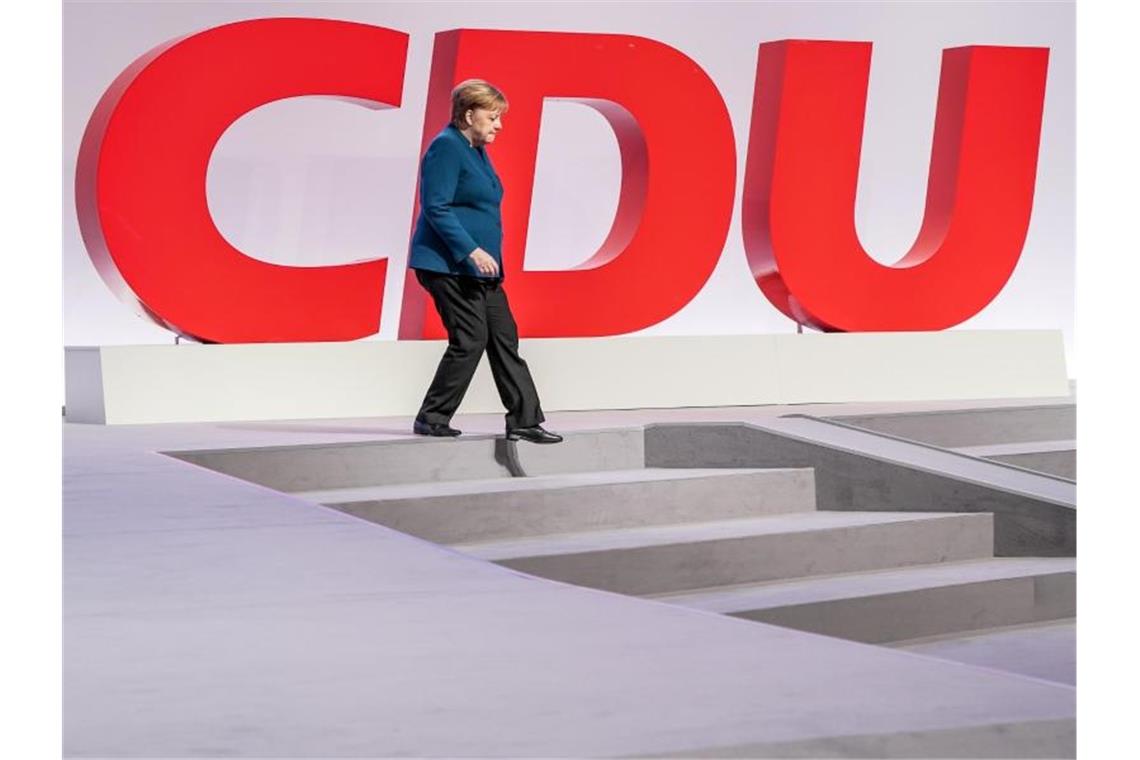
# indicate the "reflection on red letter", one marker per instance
pixel 678 174
pixel 803 165
pixel 141 180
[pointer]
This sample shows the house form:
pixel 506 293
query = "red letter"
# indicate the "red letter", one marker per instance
pixel 141 180
pixel 803 164
pixel 678 174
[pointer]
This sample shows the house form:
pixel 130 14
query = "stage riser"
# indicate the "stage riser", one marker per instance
pixel 309 468
pixel 471 517
pixel 975 427
pixel 683 565
pixel 1060 463
pixel 932 611
pixel 210 383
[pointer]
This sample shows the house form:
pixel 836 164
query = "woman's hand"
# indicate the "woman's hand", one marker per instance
pixel 484 262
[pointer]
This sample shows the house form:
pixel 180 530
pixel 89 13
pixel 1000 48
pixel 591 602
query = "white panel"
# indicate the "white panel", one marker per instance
pixel 199 383
pixel 921 366
pixel 650 371
pixel 191 382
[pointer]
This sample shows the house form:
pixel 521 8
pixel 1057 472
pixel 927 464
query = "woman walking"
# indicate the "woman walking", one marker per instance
pixel 456 252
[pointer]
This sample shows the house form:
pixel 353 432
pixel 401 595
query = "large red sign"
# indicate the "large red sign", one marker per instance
pixel 141 180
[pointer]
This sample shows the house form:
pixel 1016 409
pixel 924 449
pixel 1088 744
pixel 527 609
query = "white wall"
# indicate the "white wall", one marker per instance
pixel 318 181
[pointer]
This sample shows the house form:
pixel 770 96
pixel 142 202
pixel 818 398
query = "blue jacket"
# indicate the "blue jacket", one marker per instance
pixel 459 207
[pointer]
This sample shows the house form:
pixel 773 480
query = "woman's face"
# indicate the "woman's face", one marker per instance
pixel 483 124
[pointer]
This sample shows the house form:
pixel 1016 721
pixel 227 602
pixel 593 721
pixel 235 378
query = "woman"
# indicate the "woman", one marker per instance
pixel 456 252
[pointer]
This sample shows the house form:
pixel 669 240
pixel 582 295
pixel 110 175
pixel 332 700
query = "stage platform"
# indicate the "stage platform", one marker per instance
pixel 214 607
pixel 208 383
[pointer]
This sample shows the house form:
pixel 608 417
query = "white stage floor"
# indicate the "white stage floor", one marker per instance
pixel 209 616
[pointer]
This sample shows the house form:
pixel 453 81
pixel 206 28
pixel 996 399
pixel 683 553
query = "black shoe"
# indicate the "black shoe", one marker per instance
pixel 533 434
pixel 432 428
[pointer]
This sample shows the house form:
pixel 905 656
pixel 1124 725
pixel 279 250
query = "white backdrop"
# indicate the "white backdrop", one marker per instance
pixel 311 181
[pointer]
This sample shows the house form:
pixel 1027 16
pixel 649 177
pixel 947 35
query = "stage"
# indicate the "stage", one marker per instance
pixel 214 607
pixel 811 351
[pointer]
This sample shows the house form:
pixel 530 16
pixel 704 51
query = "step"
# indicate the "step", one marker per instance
pixel 974 427
pixel 420 459
pixel 1062 464
pixel 484 510
pixel 1045 650
pixel 1013 449
pixel 1034 512
pixel 661 559
pixel 1052 457
pixel 906 603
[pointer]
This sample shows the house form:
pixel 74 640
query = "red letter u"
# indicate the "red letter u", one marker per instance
pixel 803 166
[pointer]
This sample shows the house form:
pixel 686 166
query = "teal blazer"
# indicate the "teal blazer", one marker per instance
pixel 460 194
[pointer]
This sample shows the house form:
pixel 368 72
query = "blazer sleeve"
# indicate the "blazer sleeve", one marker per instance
pixel 439 176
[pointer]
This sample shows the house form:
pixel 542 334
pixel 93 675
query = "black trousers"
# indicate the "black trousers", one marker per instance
pixel 477 316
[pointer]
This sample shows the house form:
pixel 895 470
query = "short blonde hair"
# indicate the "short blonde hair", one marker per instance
pixel 475 93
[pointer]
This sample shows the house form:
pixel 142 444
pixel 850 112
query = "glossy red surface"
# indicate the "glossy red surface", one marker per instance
pixel 141 179
pixel 803 165
pixel 678 175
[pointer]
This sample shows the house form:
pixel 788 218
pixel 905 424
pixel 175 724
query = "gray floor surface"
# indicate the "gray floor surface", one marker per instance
pixel 207 616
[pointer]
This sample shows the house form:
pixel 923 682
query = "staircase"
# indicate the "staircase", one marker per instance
pixel 746 542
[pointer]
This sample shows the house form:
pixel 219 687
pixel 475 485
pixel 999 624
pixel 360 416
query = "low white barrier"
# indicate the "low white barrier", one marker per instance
pixel 200 383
